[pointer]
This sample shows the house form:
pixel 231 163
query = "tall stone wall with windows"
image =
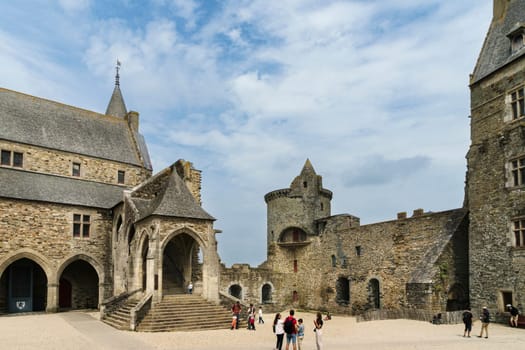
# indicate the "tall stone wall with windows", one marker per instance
pixel 56 162
pixel 495 194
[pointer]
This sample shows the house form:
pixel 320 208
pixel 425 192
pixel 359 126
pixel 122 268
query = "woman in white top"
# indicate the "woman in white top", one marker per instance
pixel 278 329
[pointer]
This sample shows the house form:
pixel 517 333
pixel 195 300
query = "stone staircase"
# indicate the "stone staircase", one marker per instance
pixel 120 318
pixel 185 312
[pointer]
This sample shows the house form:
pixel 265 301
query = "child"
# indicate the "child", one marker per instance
pixel 252 322
pixel 260 315
pixel 300 333
pixel 234 322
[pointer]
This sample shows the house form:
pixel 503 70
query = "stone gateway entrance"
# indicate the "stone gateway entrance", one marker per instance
pixel 180 264
pixel 25 286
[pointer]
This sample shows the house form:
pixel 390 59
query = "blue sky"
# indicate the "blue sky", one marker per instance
pixel 374 93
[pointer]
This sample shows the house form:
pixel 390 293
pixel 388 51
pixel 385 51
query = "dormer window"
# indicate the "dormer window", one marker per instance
pixel 517 37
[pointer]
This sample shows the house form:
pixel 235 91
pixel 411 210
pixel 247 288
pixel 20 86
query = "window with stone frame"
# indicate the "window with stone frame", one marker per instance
pixel 518 229
pixel 10 158
pixel 121 176
pixel 517 103
pixel 81 225
pixel 75 171
pixel 517 169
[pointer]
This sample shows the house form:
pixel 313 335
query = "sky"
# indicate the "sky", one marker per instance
pixel 374 93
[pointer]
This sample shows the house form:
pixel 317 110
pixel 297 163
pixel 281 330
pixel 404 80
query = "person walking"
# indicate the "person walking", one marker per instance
pixel 261 315
pixel 251 317
pixel 318 323
pixel 278 329
pixel 485 320
pixel 514 313
pixel 467 320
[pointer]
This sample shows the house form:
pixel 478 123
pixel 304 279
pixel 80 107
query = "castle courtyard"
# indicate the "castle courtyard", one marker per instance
pixel 82 331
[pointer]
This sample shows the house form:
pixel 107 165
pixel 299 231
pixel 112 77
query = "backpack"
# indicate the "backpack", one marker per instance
pixel 288 325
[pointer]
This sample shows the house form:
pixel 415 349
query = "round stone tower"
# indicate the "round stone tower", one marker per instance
pixel 292 213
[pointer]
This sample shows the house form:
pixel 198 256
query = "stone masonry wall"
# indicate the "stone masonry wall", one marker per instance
pixel 493 200
pixel 56 162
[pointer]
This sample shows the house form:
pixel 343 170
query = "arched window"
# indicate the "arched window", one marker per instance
pixel 266 294
pixel 235 290
pixel 342 291
pixel 374 294
pixel 293 234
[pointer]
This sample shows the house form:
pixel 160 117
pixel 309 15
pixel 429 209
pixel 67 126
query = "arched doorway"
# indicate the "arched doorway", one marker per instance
pixel 235 290
pixel 78 287
pixel 266 294
pixel 180 264
pixel 144 265
pixel 23 287
pixel 374 294
pixel 342 291
pixel 457 298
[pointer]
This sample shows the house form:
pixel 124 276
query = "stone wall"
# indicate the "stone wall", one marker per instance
pixel 56 162
pixel 493 200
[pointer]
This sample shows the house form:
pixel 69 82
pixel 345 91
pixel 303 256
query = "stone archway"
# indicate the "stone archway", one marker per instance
pixel 374 294
pixel 266 293
pixel 23 287
pixel 80 279
pixel 235 290
pixel 180 264
pixel 342 291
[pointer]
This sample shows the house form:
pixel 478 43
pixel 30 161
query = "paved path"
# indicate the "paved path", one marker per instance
pixel 83 331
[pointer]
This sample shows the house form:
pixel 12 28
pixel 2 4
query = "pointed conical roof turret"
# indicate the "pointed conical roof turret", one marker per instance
pixel 308 167
pixel 502 43
pixel 116 106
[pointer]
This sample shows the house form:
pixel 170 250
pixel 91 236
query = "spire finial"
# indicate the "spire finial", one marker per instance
pixel 117 77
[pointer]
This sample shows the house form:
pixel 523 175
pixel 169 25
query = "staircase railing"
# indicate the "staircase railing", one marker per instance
pixel 140 310
pixel 111 304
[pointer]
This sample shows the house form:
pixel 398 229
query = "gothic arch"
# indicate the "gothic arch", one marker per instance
pixel 236 290
pixel 267 289
pixel 293 234
pixel 185 230
pixel 80 281
pixel 30 254
pixel 90 260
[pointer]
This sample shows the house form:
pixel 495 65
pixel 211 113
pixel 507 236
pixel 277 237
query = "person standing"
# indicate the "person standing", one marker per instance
pixel 190 288
pixel 278 329
pixel 467 320
pixel 485 320
pixel 251 317
pixel 300 334
pixel 236 311
pixel 514 313
pixel 318 323
pixel 290 327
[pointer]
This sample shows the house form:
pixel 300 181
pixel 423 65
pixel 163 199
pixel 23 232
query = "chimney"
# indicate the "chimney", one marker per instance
pixel 133 120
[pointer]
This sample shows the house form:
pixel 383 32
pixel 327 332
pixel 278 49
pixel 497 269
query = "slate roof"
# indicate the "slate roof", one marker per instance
pixel 496 50
pixel 19 184
pixel 450 221
pixel 116 106
pixel 173 199
pixel 40 122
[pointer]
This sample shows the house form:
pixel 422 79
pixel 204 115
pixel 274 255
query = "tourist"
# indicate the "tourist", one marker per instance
pixel 467 320
pixel 234 322
pixel 514 313
pixel 485 320
pixel 318 323
pixel 251 317
pixel 236 311
pixel 300 333
pixel 290 328
pixel 278 329
pixel 261 315
pixel 190 288
pixel 328 317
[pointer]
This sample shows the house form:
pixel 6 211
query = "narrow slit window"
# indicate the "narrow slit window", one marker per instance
pixel 76 169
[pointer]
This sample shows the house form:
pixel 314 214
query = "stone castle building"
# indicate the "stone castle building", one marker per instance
pixel 83 220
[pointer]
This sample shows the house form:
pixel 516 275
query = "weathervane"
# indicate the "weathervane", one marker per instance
pixel 117 77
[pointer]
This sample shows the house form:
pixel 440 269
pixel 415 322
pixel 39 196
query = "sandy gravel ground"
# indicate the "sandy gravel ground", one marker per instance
pixel 82 331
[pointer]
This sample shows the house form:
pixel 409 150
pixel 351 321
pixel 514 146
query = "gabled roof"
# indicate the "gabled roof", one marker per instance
pixel 166 194
pixel 40 122
pixel 496 50
pixel 24 185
